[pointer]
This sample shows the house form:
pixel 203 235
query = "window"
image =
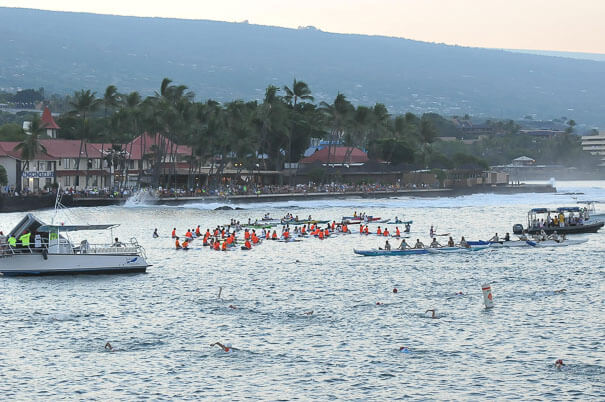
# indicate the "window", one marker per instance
pixel 131 164
pixel 89 164
pixel 49 166
pixel 67 181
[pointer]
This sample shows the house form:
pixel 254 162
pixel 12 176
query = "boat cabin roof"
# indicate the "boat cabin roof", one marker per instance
pixel 73 228
pixel 558 210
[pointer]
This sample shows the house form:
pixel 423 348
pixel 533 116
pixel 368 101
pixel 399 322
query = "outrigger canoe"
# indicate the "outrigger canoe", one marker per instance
pixel 376 252
pixel 444 250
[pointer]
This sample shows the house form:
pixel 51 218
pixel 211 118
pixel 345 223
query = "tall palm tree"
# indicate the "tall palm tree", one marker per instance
pixel 111 98
pixel 339 115
pixel 300 90
pixel 84 103
pixel 31 146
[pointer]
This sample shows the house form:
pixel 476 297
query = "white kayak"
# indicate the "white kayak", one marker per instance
pixel 553 243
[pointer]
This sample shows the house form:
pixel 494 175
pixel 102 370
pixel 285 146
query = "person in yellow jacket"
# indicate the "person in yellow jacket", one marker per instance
pixel 12 241
pixel 24 239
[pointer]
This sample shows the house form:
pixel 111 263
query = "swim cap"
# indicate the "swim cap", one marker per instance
pixel 394 290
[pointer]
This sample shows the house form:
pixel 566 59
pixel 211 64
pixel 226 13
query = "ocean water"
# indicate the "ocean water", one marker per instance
pixel 53 329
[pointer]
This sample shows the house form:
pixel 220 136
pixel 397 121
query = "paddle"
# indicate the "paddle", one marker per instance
pixel 531 243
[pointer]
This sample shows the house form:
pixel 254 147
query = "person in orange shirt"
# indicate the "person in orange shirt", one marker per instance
pixel 254 238
pixel 326 233
pixel 224 247
pixel 321 235
pixel 247 245
pixel 174 233
pixel 303 231
pixel 185 245
pixel 378 231
pixel 333 225
pixel 312 227
pixel 397 232
pixel 361 229
pixel 177 244
pixel 268 235
pixel 229 240
pixel 366 230
pixel 345 228
pixel 216 245
pixel 274 235
pixel 189 235
pixel 286 235
pixel 386 232
pixel 198 233
pixel 216 232
pixel 246 234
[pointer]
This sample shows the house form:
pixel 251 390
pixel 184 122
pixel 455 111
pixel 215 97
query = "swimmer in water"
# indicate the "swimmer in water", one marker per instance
pixel 308 312
pixel 559 364
pixel 226 347
pixel 432 311
pixel 561 291
pixel 109 347
pixel 404 349
pixel 231 306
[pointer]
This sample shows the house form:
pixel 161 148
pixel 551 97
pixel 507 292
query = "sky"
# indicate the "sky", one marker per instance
pixel 560 25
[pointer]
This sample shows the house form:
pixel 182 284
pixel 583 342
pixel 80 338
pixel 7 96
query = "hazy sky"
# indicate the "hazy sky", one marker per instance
pixel 565 25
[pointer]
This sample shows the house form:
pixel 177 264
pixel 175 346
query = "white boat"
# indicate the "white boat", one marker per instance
pixel 554 243
pixel 55 254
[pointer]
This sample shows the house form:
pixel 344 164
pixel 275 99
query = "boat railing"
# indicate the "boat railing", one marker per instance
pixel 114 248
pixel 131 247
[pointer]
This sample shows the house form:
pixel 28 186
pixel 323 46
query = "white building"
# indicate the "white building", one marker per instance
pixel 595 144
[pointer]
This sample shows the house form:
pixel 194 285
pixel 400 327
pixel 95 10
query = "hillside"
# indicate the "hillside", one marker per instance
pixel 63 52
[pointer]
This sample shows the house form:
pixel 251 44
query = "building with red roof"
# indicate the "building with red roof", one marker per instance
pixel 49 123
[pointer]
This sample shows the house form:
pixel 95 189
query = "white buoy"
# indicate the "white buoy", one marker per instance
pixel 487 296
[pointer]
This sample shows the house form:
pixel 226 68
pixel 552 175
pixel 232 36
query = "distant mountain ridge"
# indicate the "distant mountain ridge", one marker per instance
pixel 63 52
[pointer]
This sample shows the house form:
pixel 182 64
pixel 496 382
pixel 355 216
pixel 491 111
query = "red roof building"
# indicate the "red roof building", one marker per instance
pixel 49 123
pixel 337 155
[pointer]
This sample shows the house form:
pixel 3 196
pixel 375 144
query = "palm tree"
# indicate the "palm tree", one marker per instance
pixel 300 90
pixel 339 115
pixel 111 98
pixel 30 147
pixel 85 102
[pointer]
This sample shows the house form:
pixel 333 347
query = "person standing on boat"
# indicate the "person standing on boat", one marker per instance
pixel 432 231
pixel 419 244
pixel 174 233
pixel 435 243
pixel 12 241
pixel 25 239
pixel 403 245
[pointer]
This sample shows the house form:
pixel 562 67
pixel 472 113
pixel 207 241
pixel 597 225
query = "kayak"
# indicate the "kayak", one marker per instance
pixel 552 243
pixel 376 252
pixel 259 226
pixel 444 250
pixel 399 222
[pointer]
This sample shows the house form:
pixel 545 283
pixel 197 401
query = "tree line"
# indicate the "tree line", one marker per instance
pixel 264 134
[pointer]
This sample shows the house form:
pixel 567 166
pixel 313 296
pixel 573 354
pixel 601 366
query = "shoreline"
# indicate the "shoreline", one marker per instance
pixel 32 203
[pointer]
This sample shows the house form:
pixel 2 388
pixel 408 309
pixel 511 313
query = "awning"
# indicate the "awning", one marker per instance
pixel 73 228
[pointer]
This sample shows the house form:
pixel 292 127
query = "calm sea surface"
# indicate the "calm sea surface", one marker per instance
pixel 53 329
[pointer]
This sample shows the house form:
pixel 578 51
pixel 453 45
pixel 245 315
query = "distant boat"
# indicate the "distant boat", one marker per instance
pixel 574 222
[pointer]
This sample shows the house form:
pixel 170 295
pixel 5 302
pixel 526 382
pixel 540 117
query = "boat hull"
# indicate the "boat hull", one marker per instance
pixel 69 264
pixel 375 253
pixel 585 228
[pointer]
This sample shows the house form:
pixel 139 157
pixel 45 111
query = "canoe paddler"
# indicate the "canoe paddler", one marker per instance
pixel 366 230
pixel 274 235
pixel 174 233
pixel 379 231
pixel 224 246
pixel 247 244
pixel 189 235
pixel 198 232
pixel 397 232
pixel 386 232
pixel 185 245
pixel 286 234
pixel 216 245
pixel 255 238
pixel 246 234
pixel 321 235
pixel 435 243
pixel 403 245
pixel 463 242
pixel 177 243
pixel 407 228
pixel 268 235
pixel 303 230
pixel 333 225
pixel 326 233
pixel 361 229
pixel 387 246
pixel 419 244
pixel 450 242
